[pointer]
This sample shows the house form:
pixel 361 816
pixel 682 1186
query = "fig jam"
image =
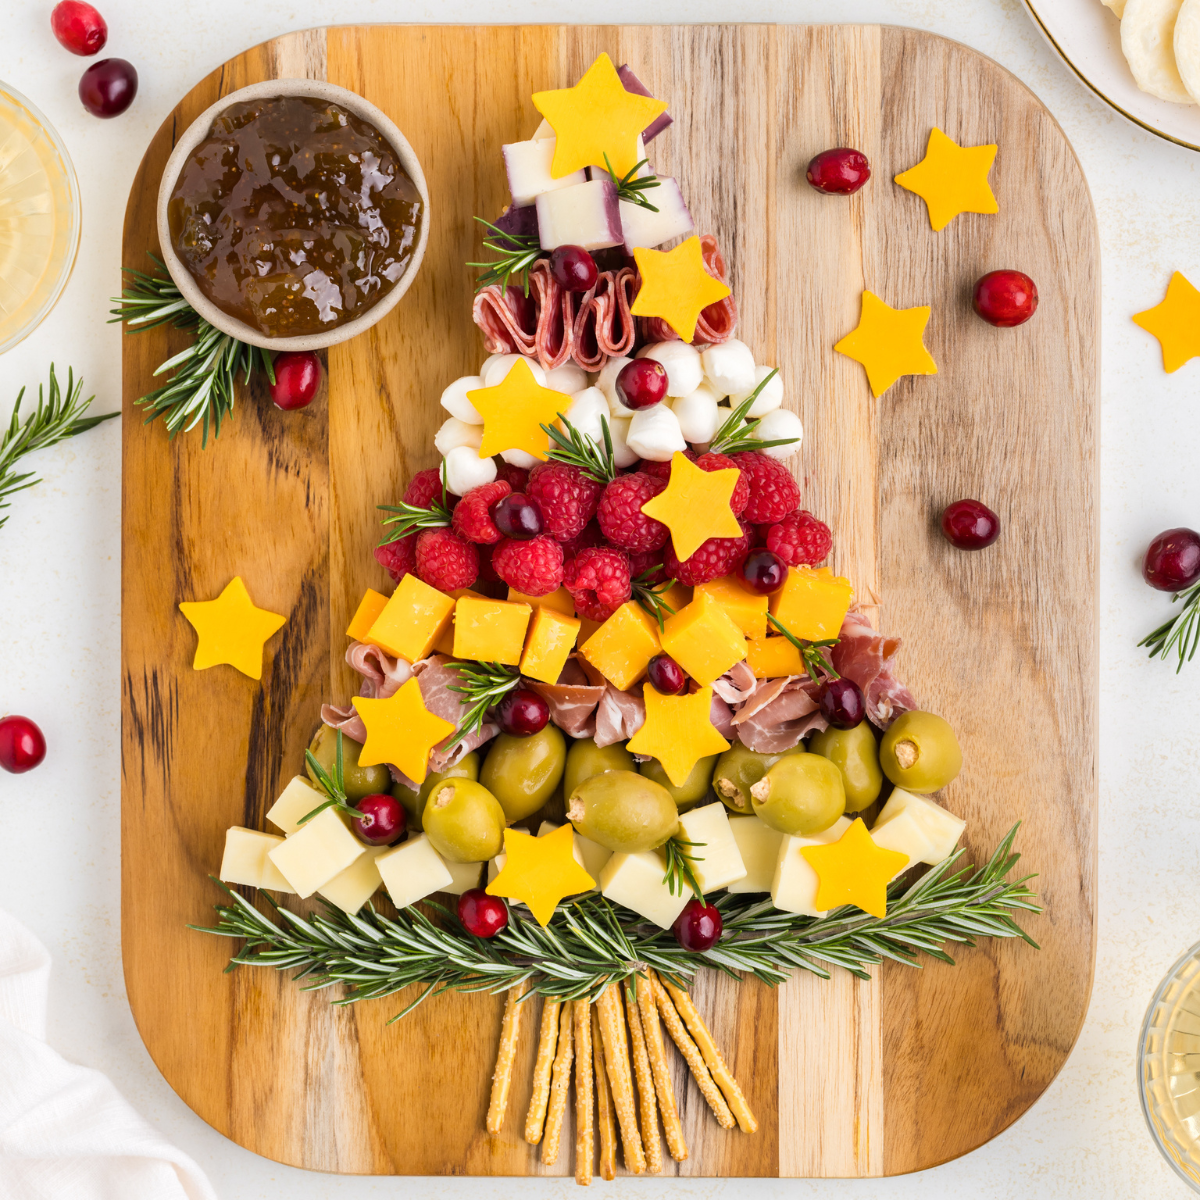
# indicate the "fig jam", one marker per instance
pixel 294 216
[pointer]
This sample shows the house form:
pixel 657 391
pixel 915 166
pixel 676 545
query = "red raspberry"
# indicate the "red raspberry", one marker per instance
pixel 648 560
pixel 445 561
pixel 566 496
pixel 398 558
pixel 516 477
pixel 489 583
pixel 424 488
pixel 715 558
pixel 472 520
pixel 773 491
pixel 620 513
pixel 662 470
pixel 741 489
pixel 591 536
pixel 534 567
pixel 800 539
pixel 599 582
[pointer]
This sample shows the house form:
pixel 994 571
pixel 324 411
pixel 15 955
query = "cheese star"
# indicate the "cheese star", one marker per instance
pixel 887 341
pixel 514 412
pixel 596 117
pixel 678 731
pixel 401 731
pixel 1175 322
pixel 854 870
pixel 951 179
pixel 540 871
pixel 694 505
pixel 231 630
pixel 675 286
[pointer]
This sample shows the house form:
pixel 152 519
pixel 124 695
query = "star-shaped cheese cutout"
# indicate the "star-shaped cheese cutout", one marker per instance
pixel 596 117
pixel 951 179
pixel 540 871
pixel 854 870
pixel 231 630
pixel 1175 322
pixel 694 505
pixel 514 412
pixel 675 286
pixel 678 731
pixel 888 343
pixel 400 731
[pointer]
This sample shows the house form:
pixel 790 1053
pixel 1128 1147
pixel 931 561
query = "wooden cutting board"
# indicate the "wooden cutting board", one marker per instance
pixel 848 1078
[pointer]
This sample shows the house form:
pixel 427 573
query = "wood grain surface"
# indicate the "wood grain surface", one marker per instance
pixel 847 1078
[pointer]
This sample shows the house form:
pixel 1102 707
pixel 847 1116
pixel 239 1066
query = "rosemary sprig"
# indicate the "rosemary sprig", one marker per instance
pixel 737 432
pixel 1181 633
pixel 482 685
pixel 680 872
pixel 650 595
pixel 334 786
pixel 516 255
pixel 57 417
pixel 579 450
pixel 630 187
pixel 409 518
pixel 810 652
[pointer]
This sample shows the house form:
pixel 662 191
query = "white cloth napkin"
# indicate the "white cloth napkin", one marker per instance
pixel 65 1132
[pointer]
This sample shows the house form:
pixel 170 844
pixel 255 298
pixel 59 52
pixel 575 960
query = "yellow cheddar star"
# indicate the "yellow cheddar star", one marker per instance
pixel 678 731
pixel 888 342
pixel 514 412
pixel 675 286
pixel 540 871
pixel 231 630
pixel 694 505
pixel 854 870
pixel 951 179
pixel 596 117
pixel 1175 322
pixel 401 731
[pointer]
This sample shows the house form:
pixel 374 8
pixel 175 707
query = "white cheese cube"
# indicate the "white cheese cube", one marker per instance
pixel 296 800
pixel 718 862
pixel 585 411
pixel 782 424
pixel 495 866
pixel 567 379
pixel 464 877
pixel 903 834
pixel 600 170
pixel 528 164
pixel 543 131
pixel 759 846
pixel 636 881
pixel 317 852
pixel 594 855
pixel 466 470
pixel 412 871
pixel 641 227
pixel 729 368
pixel 654 434
pixel 942 828
pixel 769 399
pixel 356 884
pixel 618 431
pixel 794 887
pixel 699 414
pixel 586 214
pixel 245 860
pixel 453 433
pixel 682 363
pixel 454 399
pixel 499 366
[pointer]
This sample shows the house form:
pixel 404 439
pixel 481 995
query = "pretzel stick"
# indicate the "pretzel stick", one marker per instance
pixel 616 1059
pixel 692 1057
pixel 712 1056
pixel 605 1119
pixel 662 1070
pixel 510 1030
pixel 547 1039
pixel 645 1086
pixel 558 1088
pixel 585 1147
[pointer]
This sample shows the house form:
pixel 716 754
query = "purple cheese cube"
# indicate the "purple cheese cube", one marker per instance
pixel 528 166
pixel 519 221
pixel 633 84
pixel 641 227
pixel 587 215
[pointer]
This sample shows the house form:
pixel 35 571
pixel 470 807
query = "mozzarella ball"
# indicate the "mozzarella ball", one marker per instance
pixel 568 379
pixel 466 470
pixel 768 400
pixel 623 455
pixel 782 423
pixel 455 433
pixel 497 371
pixel 587 407
pixel 682 362
pixel 654 434
pixel 455 402
pixel 698 415
pixel 606 381
pixel 487 362
pixel 729 368
pixel 520 458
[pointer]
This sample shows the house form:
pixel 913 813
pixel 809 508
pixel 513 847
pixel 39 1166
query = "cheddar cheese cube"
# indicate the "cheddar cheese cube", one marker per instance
pixel 412 620
pixel 748 610
pixel 772 657
pixel 677 596
pixel 367 613
pixel 623 646
pixel 551 639
pixel 703 639
pixel 490 630
pixel 561 600
pixel 246 860
pixel 445 644
pixel 812 604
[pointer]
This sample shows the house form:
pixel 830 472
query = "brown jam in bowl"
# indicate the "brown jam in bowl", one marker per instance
pixel 294 216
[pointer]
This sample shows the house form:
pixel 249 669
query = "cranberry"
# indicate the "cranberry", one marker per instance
pixel 842 703
pixel 763 572
pixel 1173 560
pixel 523 713
pixel 107 88
pixel 666 675
pixel 22 746
pixel 1005 298
pixel 382 821
pixel 482 916
pixel 970 525
pixel 698 927
pixel 516 516
pixel 573 268
pixel 642 383
pixel 297 379
pixel 839 172
pixel 78 27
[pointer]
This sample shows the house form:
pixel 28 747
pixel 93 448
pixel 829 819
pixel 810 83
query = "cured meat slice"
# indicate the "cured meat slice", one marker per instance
pixel 865 657
pixel 721 715
pixel 716 323
pixel 737 684
pixel 539 324
pixel 791 715
pixel 604 327
pixel 382 674
pixel 619 715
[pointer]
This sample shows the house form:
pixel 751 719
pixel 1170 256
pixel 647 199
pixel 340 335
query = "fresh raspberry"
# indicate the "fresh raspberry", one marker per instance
pixel 445 561
pixel 472 520
pixel 424 488
pixel 773 491
pixel 516 477
pixel 489 583
pixel 534 567
pixel 662 470
pixel 648 560
pixel 599 582
pixel 715 558
pixel 589 536
pixel 620 513
pixel 800 539
pixel 398 558
pixel 741 489
pixel 566 497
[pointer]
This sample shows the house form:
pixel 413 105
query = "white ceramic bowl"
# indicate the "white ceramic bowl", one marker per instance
pixel 199 130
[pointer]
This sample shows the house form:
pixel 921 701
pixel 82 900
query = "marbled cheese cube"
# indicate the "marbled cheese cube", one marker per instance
pixel 718 862
pixel 317 852
pixel 759 846
pixel 246 860
pixel 356 884
pixel 527 165
pixel 412 871
pixel 296 800
pixel 585 214
pixel 903 834
pixel 641 227
pixel 463 876
pixel 794 887
pixel 636 881
pixel 942 828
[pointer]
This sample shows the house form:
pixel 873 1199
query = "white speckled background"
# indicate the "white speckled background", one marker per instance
pixel 60 593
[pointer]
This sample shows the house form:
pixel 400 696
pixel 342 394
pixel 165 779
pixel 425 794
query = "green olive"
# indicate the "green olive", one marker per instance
pixel 358 781
pixel 623 811
pixel 522 772
pixel 693 789
pixel 739 769
pixel 467 767
pixel 585 759
pixel 464 821
pixel 854 753
pixel 920 753
pixel 800 794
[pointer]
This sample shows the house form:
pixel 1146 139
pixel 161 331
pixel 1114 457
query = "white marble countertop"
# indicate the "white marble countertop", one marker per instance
pixel 60 596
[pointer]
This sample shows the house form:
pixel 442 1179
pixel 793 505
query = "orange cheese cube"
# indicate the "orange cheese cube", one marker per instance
pixel 561 601
pixel 677 596
pixel 551 639
pixel 490 630
pixel 412 620
pixel 623 646
pixel 773 657
pixel 703 639
pixel 369 608
pixel 812 604
pixel 445 644
pixel 749 611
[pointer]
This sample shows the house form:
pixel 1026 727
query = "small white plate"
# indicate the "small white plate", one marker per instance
pixel 1087 37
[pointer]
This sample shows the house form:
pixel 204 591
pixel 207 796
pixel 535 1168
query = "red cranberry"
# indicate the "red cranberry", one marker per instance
pixel 1173 560
pixel 382 820
pixel 107 88
pixel 573 268
pixel 763 572
pixel 79 27
pixel 666 675
pixel 22 746
pixel 839 172
pixel 970 525
pixel 698 927
pixel 642 383
pixel 482 916
pixel 842 703
pixel 1005 298
pixel 297 379
pixel 516 516
pixel 523 713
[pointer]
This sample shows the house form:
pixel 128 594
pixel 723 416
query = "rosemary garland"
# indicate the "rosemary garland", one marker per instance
pixel 1181 634
pixel 516 254
pixel 632 188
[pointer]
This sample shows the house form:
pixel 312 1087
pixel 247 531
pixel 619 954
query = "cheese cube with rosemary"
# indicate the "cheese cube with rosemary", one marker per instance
pixel 773 657
pixel 463 877
pixel 794 887
pixel 716 858
pixel 316 852
pixel 490 631
pixel 296 800
pixel 527 165
pixel 641 227
pixel 412 620
pixel 585 214
pixel 637 882
pixel 942 828
pixel 903 834
pixel 356 884
pixel 758 845
pixel 246 860
pixel 413 870
pixel 621 648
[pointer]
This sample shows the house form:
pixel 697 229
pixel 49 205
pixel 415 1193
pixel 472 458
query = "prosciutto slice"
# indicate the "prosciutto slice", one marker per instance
pixel 573 700
pixel 721 715
pixel 716 323
pixel 383 675
pixel 789 716
pixel 737 684
pixel 619 715
pixel 865 657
